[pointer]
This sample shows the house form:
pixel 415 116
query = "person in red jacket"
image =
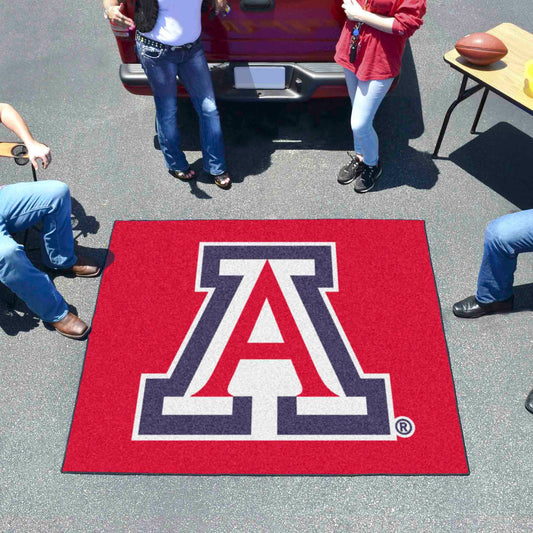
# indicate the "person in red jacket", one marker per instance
pixel 370 49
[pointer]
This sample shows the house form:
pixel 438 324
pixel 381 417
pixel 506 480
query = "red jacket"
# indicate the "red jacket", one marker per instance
pixel 380 55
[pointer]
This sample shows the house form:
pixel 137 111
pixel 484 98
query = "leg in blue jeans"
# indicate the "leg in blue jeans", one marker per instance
pixel 505 238
pixel 195 76
pixel 21 206
pixel 162 67
pixel 366 97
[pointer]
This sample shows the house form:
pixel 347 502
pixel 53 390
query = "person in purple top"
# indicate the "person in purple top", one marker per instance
pixel 23 205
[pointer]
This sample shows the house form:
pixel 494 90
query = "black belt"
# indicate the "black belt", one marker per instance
pixel 157 44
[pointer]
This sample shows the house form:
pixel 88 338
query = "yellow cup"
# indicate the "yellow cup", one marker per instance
pixel 528 81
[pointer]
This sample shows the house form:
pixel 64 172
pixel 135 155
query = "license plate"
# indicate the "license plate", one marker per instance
pixel 259 77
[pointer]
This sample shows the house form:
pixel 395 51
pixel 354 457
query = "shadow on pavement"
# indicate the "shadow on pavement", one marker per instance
pixel 254 131
pixel 14 321
pixel 502 159
pixel 523 297
pixel 398 120
pixel 82 222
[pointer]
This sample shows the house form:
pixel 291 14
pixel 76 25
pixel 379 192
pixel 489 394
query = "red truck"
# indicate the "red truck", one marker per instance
pixel 275 50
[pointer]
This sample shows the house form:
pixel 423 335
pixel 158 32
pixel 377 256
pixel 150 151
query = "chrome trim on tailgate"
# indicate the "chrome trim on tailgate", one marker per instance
pixel 302 80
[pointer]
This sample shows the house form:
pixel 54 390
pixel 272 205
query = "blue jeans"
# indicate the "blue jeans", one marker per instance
pixel 505 238
pixel 161 67
pixel 22 205
pixel 366 97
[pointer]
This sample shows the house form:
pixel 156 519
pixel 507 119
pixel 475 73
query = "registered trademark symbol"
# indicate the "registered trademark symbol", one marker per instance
pixel 405 427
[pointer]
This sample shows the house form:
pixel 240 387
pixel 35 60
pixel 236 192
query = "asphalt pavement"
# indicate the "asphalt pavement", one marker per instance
pixel 59 68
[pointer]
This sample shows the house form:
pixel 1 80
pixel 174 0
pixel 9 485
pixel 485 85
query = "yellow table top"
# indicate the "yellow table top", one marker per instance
pixel 507 75
pixel 6 147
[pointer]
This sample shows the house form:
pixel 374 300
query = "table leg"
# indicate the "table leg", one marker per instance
pixel 480 109
pixel 464 93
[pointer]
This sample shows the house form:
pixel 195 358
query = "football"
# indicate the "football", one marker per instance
pixel 481 48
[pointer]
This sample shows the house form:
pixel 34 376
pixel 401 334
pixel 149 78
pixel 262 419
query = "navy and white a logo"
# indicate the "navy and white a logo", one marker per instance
pixel 266 358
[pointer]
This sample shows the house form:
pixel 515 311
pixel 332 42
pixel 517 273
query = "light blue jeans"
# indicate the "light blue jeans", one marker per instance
pixel 366 97
pixel 161 67
pixel 505 238
pixel 22 205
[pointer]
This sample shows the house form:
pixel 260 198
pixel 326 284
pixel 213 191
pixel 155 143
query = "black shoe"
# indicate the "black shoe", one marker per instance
pixel 368 177
pixel 350 171
pixel 471 308
pixel 529 402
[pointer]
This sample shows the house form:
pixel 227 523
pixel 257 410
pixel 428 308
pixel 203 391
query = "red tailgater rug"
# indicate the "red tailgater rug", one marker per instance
pixel 267 347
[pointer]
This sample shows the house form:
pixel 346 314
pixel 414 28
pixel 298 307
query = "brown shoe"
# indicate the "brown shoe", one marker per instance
pixel 85 267
pixel 222 180
pixel 183 175
pixel 71 326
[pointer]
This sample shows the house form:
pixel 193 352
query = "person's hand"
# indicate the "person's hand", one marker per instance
pixel 220 6
pixel 38 151
pixel 353 10
pixel 118 18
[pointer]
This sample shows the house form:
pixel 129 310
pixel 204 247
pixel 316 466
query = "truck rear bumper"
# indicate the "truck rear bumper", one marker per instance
pixel 303 81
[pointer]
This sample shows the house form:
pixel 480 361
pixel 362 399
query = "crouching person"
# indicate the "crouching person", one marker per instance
pixel 505 238
pixel 23 205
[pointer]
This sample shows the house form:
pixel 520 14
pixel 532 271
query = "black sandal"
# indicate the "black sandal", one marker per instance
pixel 183 175
pixel 222 180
